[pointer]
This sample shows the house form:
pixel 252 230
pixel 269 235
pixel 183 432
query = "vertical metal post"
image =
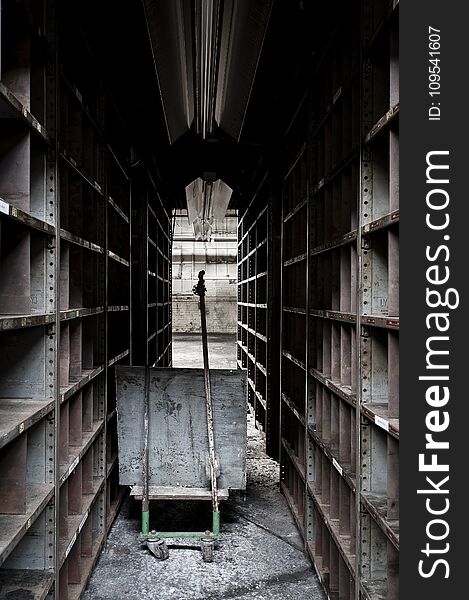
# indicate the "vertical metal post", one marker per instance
pixel 365 193
pixel 274 267
pixel 199 289
pixel 146 454
pixel 52 215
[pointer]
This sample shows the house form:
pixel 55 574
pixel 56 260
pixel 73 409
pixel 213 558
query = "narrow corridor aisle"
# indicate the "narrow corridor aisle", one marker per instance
pixel 259 556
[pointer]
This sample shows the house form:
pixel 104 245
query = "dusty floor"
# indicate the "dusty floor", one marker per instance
pixel 187 350
pixel 259 556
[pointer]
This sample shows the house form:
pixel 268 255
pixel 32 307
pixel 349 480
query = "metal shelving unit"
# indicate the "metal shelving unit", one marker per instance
pixel 257 333
pixel 340 312
pixel 151 275
pixel 65 300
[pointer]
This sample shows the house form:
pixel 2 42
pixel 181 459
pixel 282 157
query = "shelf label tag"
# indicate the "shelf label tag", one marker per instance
pixel 337 466
pixel 4 207
pixel 21 428
pixel 382 423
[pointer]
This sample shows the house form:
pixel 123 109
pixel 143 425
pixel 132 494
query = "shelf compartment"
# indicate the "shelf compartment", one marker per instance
pixel 12 108
pixel 293 440
pixel 293 384
pixel 380 487
pixel 332 425
pixel 333 216
pixel 380 375
pixel 119 190
pixel 78 524
pixel 323 451
pixel 22 370
pixel 119 292
pixel 14 526
pixel 80 268
pixel 79 139
pixel 15 164
pixel 341 536
pixel 289 486
pixel 118 334
pixel 380 576
pixel 79 349
pixel 15 270
pixel 118 235
pixel 294 232
pixel 379 415
pixel 71 455
pixel 377 506
pixel 294 285
pixel 23 256
pixel 114 496
pixel 19 414
pixel 381 184
pixel 294 336
pixel 81 210
pixel 33 583
pixel 331 562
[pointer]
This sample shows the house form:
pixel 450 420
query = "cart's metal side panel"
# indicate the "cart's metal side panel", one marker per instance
pixel 178 427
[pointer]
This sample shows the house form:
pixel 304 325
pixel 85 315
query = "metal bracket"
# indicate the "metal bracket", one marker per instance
pixel 366 242
pixel 364 331
pixel 367 155
pixel 51 155
pixel 51 329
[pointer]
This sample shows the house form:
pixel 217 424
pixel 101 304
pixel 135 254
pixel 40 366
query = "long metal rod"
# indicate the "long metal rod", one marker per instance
pixel 200 290
pixel 146 455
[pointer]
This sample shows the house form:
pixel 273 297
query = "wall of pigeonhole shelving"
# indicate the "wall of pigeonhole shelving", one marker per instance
pixel 337 400
pixel 67 279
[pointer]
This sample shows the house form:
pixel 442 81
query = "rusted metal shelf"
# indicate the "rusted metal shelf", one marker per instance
pixel 76 453
pixel 76 522
pixel 34 583
pixel 19 414
pixel 14 526
pixel 376 505
pixel 24 218
pixel 341 541
pixel 10 322
pixel 10 102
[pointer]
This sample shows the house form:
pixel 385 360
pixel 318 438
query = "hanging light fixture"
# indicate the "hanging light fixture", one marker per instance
pixel 207 200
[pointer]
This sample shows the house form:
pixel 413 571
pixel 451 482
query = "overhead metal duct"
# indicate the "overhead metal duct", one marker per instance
pixel 242 36
pixel 169 24
pixel 206 71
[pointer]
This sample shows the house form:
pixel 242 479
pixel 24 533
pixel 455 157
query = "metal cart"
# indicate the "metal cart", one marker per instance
pixel 182 436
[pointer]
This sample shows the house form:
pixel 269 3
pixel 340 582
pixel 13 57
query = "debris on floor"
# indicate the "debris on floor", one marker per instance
pixel 259 556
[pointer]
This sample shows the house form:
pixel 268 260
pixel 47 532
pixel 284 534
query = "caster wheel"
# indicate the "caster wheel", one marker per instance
pixel 159 549
pixel 207 547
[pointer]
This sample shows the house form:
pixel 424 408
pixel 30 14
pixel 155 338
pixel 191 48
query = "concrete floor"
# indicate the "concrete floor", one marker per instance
pixel 259 556
pixel 187 350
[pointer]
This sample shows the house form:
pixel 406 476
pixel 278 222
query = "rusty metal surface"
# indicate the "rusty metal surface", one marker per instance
pixel 178 443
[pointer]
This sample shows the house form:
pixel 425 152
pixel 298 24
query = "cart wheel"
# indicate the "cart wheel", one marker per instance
pixel 207 547
pixel 159 549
